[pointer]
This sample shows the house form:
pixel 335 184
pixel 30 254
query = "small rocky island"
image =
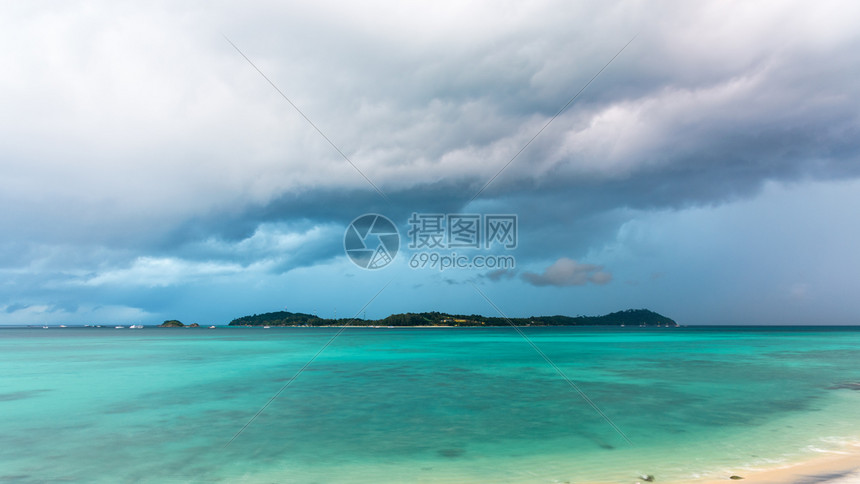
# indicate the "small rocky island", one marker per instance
pixel 171 323
pixel 630 317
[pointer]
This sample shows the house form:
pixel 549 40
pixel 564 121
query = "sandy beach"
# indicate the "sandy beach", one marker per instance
pixel 829 469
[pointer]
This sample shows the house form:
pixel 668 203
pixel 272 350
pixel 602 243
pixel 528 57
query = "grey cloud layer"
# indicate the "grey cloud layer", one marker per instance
pixel 568 272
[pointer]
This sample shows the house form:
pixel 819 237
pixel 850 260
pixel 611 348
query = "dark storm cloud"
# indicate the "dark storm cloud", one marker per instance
pixel 500 274
pixel 663 128
pixel 688 114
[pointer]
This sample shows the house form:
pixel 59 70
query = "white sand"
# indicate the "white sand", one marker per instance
pixel 832 469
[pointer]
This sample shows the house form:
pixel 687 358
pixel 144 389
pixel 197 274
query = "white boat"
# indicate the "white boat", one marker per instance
pixel 119 327
pixel 211 327
pixel 136 326
pixel 266 327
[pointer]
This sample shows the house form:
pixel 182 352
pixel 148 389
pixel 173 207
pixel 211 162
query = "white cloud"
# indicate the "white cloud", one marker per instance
pixel 273 241
pixel 161 272
pixel 48 314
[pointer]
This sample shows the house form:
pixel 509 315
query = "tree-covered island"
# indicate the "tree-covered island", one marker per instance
pixel 630 317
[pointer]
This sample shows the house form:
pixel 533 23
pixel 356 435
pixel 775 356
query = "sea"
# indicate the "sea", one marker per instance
pixel 431 405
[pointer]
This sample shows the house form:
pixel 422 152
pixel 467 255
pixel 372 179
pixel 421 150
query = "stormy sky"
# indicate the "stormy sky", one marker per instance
pixel 149 171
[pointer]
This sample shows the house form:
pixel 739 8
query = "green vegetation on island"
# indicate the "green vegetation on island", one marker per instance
pixel 171 323
pixel 630 317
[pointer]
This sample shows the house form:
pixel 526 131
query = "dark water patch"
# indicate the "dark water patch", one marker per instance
pixel 17 478
pixel 22 395
pixel 451 453
pixel 121 409
pixel 403 350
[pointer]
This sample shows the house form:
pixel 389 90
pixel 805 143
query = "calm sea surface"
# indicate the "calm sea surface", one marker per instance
pixel 420 405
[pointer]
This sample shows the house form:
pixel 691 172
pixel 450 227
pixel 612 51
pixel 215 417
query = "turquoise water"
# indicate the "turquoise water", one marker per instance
pixel 420 405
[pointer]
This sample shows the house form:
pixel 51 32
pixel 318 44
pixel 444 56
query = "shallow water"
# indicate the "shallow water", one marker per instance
pixel 420 405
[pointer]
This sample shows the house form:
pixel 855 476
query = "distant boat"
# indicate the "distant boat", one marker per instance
pixel 136 326
pixel 211 327
pixel 63 326
pixel 266 327
pixel 119 327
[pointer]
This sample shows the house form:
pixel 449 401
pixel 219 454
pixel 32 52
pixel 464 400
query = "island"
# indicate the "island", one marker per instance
pixel 629 317
pixel 171 323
